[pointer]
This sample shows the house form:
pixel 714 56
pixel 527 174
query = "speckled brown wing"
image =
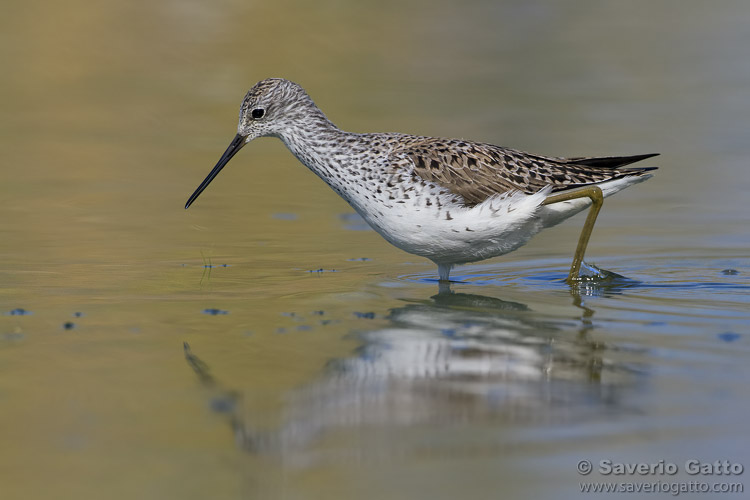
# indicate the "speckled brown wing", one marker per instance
pixel 476 171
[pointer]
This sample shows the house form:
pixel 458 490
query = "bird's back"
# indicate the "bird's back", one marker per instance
pixel 477 171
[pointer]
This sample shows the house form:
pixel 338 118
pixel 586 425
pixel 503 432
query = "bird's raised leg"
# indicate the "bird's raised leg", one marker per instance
pixel 597 198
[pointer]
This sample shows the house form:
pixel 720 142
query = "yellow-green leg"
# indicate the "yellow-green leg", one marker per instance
pixel 597 198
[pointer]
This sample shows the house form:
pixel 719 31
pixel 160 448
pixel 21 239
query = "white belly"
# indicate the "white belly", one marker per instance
pixel 454 235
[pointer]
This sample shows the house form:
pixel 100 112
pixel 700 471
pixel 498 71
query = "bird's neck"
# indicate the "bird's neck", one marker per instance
pixel 317 143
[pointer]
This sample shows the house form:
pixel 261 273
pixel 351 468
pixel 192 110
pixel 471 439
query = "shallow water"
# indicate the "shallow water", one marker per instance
pixel 267 344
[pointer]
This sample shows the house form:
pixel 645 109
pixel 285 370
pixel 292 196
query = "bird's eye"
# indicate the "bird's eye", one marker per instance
pixel 258 113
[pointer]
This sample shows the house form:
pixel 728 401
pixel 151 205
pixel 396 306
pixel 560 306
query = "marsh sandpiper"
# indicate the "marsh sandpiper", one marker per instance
pixel 449 200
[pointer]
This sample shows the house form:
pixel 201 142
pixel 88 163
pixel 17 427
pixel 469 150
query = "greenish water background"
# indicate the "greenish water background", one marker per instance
pixel 358 382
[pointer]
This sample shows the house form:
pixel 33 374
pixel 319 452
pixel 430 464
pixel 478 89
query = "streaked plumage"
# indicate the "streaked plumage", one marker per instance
pixel 452 201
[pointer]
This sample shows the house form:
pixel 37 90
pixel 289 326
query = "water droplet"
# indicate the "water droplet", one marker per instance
pixel 214 312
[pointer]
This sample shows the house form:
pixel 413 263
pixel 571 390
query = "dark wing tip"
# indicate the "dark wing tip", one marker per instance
pixel 637 158
pixel 610 161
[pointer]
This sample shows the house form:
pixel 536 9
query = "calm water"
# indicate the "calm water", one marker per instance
pixel 266 344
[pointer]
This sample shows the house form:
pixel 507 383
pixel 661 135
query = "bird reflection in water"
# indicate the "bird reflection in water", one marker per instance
pixel 454 359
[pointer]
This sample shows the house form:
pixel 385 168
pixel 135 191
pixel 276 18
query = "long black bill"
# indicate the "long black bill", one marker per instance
pixel 234 146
